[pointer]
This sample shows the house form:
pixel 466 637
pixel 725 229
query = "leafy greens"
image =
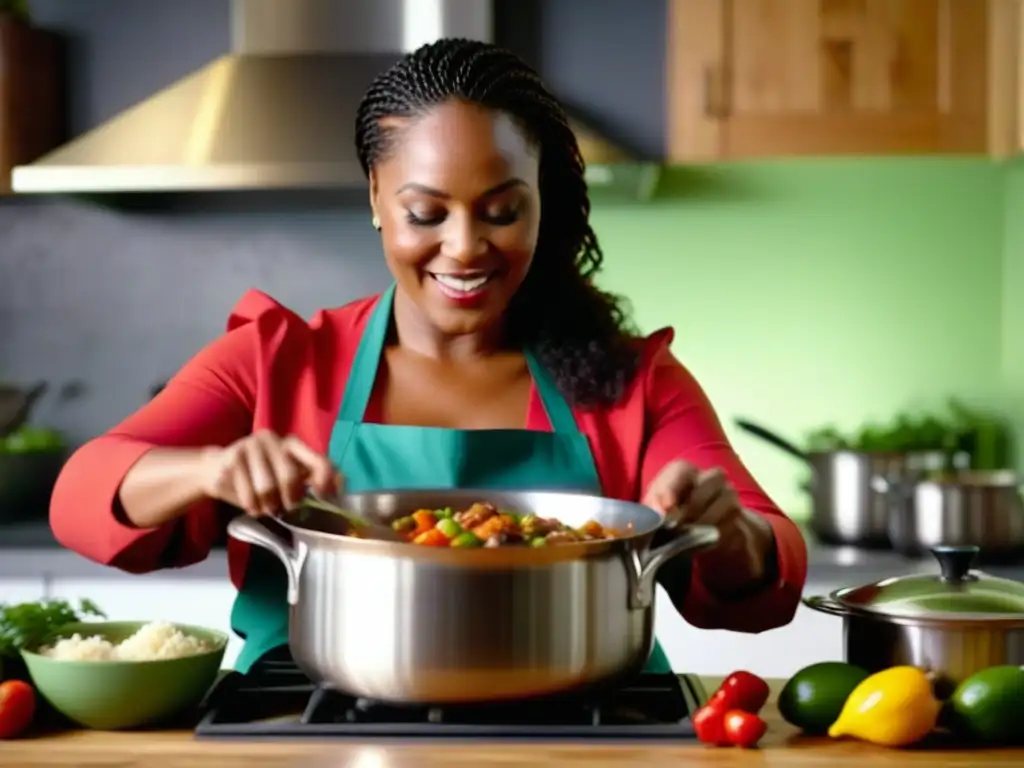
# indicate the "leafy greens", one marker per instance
pixel 29 626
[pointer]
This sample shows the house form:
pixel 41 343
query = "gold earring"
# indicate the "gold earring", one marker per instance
pixel 375 222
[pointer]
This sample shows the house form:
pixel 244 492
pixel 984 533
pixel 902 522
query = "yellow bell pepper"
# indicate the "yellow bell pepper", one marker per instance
pixel 893 708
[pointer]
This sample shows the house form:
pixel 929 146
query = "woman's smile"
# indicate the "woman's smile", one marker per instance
pixel 464 287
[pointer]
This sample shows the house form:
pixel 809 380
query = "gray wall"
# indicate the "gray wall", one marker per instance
pixel 119 299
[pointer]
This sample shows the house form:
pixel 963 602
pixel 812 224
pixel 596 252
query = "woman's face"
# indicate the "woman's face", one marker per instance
pixel 459 210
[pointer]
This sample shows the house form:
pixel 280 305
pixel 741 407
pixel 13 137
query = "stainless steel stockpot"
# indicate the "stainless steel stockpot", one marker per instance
pixel 400 622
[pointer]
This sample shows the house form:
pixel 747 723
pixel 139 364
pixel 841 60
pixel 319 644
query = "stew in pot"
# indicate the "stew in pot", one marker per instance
pixel 484 525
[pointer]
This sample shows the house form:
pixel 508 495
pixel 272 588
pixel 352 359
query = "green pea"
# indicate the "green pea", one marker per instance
pixel 403 524
pixel 539 542
pixel 444 514
pixel 466 540
pixel 449 527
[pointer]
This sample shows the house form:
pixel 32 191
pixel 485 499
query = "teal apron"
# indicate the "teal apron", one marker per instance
pixel 376 457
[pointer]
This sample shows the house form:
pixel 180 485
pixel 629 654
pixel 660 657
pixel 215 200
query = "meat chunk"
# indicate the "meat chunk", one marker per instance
pixel 475 515
pixel 538 526
pixel 562 537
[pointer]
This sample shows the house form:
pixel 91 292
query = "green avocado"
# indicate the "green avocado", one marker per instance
pixel 988 706
pixel 813 698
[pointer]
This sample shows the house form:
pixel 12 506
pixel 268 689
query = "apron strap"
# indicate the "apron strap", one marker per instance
pixel 363 372
pixel 559 413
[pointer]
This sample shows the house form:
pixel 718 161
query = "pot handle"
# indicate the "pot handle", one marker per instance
pixel 825 605
pixel 645 565
pixel 251 531
pixel 770 437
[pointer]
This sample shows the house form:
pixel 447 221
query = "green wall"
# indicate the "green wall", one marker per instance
pixel 1013 301
pixel 816 292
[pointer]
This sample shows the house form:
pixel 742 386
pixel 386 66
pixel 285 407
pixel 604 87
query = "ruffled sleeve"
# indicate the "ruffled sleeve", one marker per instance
pixel 210 401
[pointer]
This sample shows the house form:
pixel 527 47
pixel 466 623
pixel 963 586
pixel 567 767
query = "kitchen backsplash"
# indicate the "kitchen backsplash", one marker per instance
pixel 801 292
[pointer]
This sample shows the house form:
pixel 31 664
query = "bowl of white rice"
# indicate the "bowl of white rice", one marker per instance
pixel 113 675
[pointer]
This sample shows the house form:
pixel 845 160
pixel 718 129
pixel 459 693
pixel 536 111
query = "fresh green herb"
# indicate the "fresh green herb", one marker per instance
pixel 952 430
pixel 30 626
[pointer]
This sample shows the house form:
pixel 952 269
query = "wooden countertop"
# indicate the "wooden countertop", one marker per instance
pixel 783 746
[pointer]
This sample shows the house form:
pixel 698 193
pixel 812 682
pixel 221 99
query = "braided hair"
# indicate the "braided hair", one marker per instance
pixel 578 332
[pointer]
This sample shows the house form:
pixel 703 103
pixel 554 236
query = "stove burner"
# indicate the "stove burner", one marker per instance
pixel 276 700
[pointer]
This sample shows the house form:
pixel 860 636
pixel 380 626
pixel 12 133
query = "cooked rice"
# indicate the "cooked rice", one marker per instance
pixel 156 640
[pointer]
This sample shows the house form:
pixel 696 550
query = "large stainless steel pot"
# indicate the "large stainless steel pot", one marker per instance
pixel 953 623
pixel 846 507
pixel 404 623
pixel 982 509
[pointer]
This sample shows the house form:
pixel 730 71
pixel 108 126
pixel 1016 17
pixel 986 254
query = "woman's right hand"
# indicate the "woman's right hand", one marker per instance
pixel 263 473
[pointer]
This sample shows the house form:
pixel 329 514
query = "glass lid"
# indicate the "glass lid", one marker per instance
pixel 956 592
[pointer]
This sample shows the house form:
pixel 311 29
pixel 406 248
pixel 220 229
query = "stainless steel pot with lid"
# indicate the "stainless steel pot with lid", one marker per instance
pixel 953 623
pixel 407 623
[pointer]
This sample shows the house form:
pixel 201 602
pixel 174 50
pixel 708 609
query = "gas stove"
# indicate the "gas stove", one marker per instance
pixel 275 700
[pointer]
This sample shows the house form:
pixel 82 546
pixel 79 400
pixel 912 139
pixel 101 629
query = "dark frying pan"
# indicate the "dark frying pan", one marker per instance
pixel 26 479
pixel 16 404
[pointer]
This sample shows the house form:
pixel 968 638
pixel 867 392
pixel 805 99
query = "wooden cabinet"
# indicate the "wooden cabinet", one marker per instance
pixel 769 78
pixel 31 95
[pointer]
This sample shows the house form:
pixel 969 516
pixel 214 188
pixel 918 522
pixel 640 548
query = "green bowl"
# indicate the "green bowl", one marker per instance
pixel 115 695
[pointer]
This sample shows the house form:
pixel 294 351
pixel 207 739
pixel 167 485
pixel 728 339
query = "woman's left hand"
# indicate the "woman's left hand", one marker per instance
pixel 690 496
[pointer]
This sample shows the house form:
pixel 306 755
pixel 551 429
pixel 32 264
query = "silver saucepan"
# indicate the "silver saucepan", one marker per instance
pixel 982 509
pixel 406 623
pixel 953 623
pixel 848 506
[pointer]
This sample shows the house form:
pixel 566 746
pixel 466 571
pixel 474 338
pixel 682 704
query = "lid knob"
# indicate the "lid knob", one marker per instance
pixel 955 562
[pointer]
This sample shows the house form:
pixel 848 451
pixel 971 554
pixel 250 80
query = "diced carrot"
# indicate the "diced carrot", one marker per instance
pixel 593 528
pixel 425 520
pixel 492 526
pixel 431 538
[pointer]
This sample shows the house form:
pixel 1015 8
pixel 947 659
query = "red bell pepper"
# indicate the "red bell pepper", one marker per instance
pixel 709 725
pixel 743 729
pixel 743 691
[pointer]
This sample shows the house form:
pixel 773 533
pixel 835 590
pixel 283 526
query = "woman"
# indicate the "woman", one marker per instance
pixel 492 361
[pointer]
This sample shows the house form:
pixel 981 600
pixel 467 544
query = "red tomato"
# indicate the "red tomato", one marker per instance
pixel 742 690
pixel 743 729
pixel 708 724
pixel 17 707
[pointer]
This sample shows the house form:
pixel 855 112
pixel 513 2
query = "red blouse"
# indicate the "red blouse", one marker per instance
pixel 273 370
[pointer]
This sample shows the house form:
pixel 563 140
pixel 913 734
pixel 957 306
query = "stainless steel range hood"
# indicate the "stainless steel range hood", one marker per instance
pixel 278 111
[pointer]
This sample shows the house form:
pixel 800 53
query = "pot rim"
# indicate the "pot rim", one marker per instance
pixel 635 544
pixel 478 557
pixel 995 479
